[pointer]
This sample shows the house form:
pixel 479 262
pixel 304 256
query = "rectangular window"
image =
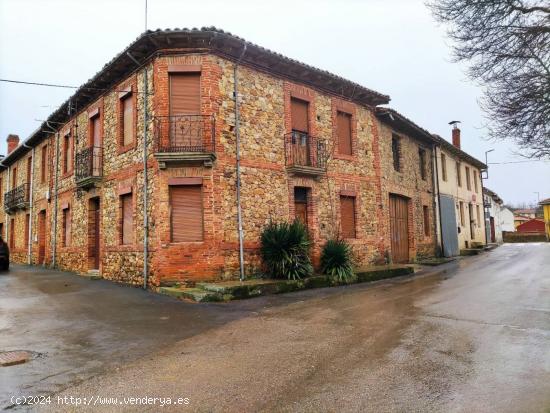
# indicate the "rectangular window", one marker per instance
pixel 468 184
pixel 14 177
pixel 67 153
pixel 444 167
pixel 299 115
pixel 127 117
pixel 343 126
pixel 185 93
pixel 396 152
pixel 186 214
pixel 66 230
pixel 458 174
pixel 95 131
pixel 126 219
pixel 461 204
pixel 475 182
pixel 1 191
pixel 12 233
pixel 43 163
pixel 426 214
pixel 29 169
pixel 347 216
pixel 422 160
pixel 27 226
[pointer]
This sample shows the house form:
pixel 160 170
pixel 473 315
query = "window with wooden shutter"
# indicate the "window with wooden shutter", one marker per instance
pixel 27 226
pixel 347 216
pixel 95 131
pixel 185 93
pixel 66 230
pixel 127 219
pixel 186 214
pixel 458 174
pixel 29 169
pixel 127 109
pixel 343 125
pixel 426 212
pixel 43 163
pixel 468 184
pixel 66 152
pixel 299 115
pixel 14 177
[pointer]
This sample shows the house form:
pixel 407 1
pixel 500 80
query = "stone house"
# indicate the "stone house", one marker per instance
pixel 203 138
pixel 460 196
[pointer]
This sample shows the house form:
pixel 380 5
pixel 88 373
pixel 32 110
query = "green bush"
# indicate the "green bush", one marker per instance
pixel 337 261
pixel 285 250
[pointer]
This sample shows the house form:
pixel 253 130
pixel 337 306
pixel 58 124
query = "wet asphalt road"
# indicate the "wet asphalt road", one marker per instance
pixel 475 339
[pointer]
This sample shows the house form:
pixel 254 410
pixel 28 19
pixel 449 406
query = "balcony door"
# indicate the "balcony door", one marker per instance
pixel 300 132
pixel 96 146
pixel 185 121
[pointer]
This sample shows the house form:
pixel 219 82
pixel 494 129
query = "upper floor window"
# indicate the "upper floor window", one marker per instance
pixel 29 169
pixel 14 177
pixel 95 131
pixel 444 167
pixel 127 119
pixel 475 182
pixel 458 174
pixel 43 163
pixel 396 152
pixel 299 115
pixel 185 93
pixel 468 184
pixel 67 153
pixel 343 125
pixel 422 160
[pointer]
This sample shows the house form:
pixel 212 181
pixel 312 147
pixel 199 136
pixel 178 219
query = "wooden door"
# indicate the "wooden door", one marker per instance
pixel 472 222
pixel 399 228
pixel 300 132
pixel 96 146
pixel 94 235
pixel 41 237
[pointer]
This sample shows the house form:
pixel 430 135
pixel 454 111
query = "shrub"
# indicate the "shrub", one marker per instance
pixel 337 261
pixel 284 249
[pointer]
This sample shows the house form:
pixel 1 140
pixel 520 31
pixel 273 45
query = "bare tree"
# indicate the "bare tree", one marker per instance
pixel 507 46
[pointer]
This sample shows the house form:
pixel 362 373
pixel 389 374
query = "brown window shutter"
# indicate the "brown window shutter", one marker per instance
pixel 29 169
pixel 126 202
pixel 343 124
pixel 27 225
pixel 66 227
pixel 12 233
pixel 96 129
pixel 185 94
pixel 127 120
pixel 299 115
pixel 14 178
pixel 43 164
pixel 186 216
pixel 347 212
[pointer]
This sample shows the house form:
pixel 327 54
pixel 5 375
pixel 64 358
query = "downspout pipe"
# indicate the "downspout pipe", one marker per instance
pixel 438 195
pixel 31 204
pixel 238 163
pixel 145 172
pixel 56 200
pixel 486 213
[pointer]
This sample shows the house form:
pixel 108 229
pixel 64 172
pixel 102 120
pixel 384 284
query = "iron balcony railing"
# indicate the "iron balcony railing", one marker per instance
pixel 185 133
pixel 89 163
pixel 17 197
pixel 304 150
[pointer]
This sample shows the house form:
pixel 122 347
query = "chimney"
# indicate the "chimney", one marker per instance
pixel 13 142
pixel 456 133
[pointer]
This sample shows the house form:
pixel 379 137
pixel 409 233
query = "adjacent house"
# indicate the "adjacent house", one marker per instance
pixel 546 211
pixel 169 162
pixel 460 200
pixel 500 218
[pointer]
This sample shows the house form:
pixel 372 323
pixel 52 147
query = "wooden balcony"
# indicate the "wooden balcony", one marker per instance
pixel 185 138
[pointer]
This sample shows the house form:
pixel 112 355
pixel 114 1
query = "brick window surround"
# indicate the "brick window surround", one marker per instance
pixel 67 164
pixel 127 96
pixel 340 110
pixel 126 216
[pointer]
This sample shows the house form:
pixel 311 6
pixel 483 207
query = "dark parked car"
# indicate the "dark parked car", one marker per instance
pixel 4 255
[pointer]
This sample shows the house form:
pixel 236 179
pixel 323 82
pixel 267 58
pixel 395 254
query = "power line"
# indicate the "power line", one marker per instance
pixel 530 160
pixel 23 82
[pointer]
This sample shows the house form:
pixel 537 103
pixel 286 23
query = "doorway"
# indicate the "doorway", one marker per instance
pixel 41 237
pixel 399 228
pixel 300 204
pixel 472 222
pixel 493 234
pixel 94 234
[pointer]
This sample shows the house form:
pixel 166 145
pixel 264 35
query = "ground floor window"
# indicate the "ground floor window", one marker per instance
pixel 66 230
pixel 126 219
pixel 347 216
pixel 186 213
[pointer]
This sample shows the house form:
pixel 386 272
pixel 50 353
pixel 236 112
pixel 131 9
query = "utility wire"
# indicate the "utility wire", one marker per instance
pixel 22 82
pixel 530 160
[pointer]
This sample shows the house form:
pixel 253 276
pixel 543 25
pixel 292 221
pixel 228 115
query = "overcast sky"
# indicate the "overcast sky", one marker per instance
pixel 391 46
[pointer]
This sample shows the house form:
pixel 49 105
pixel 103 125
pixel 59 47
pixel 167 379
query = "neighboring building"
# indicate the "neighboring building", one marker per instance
pixel 520 219
pixel 500 218
pixel 546 211
pixel 526 212
pixel 309 145
pixel 533 225
pixel 407 185
pixel 460 199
